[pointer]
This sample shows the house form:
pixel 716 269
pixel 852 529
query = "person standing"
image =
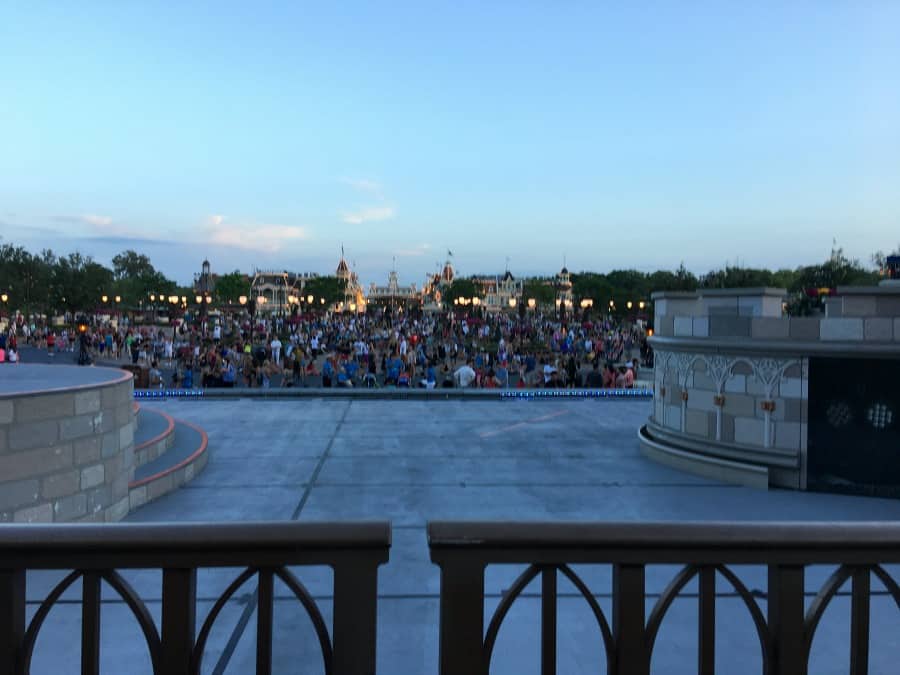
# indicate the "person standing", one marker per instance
pixel 276 349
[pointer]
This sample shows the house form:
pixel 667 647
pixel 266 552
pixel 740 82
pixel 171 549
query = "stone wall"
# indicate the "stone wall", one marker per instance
pixel 67 455
pixel 732 375
pixel 742 408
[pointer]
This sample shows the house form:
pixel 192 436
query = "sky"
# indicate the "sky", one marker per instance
pixel 520 134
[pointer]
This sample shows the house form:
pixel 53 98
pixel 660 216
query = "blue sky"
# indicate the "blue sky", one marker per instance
pixel 268 134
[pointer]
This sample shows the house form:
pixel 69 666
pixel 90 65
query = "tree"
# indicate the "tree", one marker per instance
pixel 597 287
pixel 736 277
pixel 229 287
pixel 460 288
pixel 542 292
pixel 130 264
pixel 330 287
pixel 25 278
pixel 136 279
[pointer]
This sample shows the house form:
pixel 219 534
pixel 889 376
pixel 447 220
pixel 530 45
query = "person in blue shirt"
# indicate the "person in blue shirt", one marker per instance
pixel 228 374
pixel 327 372
pixel 430 380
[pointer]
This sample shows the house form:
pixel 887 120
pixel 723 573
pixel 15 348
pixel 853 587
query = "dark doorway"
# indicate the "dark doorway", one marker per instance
pixel 854 430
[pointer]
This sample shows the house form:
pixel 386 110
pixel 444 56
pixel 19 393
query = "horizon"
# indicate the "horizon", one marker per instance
pixel 517 136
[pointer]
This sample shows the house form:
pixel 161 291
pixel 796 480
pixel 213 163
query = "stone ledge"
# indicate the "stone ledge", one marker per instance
pixel 728 471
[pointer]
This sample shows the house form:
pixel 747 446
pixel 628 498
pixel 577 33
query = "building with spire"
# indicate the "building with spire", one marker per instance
pixel 354 298
pixel 499 293
pixel 394 295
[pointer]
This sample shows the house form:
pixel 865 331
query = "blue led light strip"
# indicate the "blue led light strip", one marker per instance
pixel 168 393
pixel 576 393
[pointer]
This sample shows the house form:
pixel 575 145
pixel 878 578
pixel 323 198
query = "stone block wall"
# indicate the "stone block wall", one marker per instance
pixel 756 408
pixel 68 455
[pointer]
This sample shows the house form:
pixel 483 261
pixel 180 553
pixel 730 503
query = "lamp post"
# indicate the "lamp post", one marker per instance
pixel 586 305
pixel 84 354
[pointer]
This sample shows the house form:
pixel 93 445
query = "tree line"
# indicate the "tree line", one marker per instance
pixel 46 282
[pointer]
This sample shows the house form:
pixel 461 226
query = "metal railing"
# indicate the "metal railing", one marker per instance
pixel 785 631
pixel 95 553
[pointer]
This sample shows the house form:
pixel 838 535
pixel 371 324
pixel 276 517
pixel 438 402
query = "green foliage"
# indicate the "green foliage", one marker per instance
pixel 229 287
pixel 48 283
pixel 838 270
pixel 331 288
pixel 460 288
pixel 542 292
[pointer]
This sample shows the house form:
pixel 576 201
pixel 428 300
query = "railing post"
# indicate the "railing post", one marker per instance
pixel 12 619
pixel 355 616
pixel 461 650
pixel 859 621
pixel 90 624
pixel 548 621
pixel 706 617
pixel 628 620
pixel 786 620
pixel 265 616
pixel 179 607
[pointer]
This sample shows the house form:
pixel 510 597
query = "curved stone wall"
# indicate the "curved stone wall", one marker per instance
pixel 732 379
pixel 732 406
pixel 66 443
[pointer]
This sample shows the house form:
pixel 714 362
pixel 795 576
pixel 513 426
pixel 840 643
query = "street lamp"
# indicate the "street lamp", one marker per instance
pixel 243 300
pixel 629 304
pixel 532 303
pixel 84 355
pixel 104 298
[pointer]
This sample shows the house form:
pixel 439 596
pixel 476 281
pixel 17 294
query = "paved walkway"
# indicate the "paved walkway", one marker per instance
pixel 411 461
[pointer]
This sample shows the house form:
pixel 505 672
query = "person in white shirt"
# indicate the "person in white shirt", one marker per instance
pixel 549 369
pixel 464 375
pixel 276 349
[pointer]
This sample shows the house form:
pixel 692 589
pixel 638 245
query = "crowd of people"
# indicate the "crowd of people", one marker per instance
pixel 495 351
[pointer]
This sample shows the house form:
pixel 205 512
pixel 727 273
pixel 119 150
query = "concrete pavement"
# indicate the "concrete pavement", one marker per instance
pixel 412 461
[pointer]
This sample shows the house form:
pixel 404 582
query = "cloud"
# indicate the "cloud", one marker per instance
pixel 123 240
pixel 364 185
pixel 215 220
pixel 263 238
pixel 369 214
pixel 421 249
pixel 94 220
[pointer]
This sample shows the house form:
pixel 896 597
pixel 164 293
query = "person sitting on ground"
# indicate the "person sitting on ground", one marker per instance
pixel 501 377
pixel 609 377
pixel 595 377
pixel 464 375
pixel 628 377
pixel 228 374
pixel 447 381
pixel 344 379
pixel 430 380
pixel 549 372
pixel 155 375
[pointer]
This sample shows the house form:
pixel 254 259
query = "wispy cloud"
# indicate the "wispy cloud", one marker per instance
pixel 369 214
pixel 364 185
pixel 87 219
pixel 421 249
pixel 215 220
pixel 263 238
